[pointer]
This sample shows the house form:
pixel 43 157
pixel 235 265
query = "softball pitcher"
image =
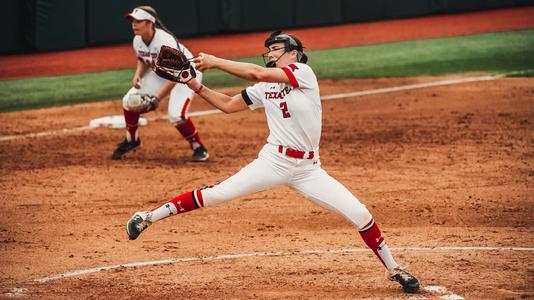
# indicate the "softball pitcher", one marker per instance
pixel 150 35
pixel 289 92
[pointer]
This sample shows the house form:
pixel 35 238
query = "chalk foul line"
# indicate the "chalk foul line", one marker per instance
pixel 44 133
pixel 324 98
pixel 268 254
pixel 411 87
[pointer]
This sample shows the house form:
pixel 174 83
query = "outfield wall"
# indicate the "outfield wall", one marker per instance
pixel 50 25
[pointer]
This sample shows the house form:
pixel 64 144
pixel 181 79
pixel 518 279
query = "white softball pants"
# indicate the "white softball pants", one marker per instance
pixel 179 98
pixel 272 168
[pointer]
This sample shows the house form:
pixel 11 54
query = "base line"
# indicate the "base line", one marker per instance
pixel 266 254
pixel 44 133
pixel 411 87
pixel 328 97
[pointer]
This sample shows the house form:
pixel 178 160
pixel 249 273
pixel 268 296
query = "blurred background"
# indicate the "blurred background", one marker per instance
pixel 62 52
pixel 50 25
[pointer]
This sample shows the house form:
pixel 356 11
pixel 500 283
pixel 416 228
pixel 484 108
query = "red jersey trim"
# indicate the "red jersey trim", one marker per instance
pixel 291 77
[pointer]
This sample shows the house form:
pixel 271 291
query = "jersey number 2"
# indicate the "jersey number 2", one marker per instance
pixel 283 107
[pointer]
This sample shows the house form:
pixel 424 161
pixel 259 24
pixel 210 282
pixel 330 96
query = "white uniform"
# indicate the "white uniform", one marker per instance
pixel 180 96
pixel 290 158
pixel 294 119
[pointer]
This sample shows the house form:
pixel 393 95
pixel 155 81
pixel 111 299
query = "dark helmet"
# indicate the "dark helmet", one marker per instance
pixel 290 43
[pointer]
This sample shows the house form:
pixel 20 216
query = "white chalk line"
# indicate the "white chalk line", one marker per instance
pixel 44 133
pixel 329 97
pixel 20 292
pixel 16 292
pixel 446 295
pixel 412 87
pixel 266 254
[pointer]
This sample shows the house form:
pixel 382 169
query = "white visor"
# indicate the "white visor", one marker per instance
pixel 139 15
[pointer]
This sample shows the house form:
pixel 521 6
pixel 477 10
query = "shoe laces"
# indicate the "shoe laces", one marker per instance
pixel 403 274
pixel 124 144
pixel 200 151
pixel 145 221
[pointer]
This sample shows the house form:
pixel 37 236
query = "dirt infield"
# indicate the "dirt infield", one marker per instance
pixel 239 45
pixel 446 171
pixel 442 166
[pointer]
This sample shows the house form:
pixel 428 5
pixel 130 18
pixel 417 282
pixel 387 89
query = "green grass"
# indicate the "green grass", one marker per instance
pixel 39 92
pixel 491 53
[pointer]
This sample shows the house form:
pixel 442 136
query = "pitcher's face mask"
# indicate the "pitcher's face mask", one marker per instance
pixel 271 57
pixel 287 43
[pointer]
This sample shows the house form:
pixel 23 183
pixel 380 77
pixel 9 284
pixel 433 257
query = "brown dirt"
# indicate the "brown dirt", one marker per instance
pixel 442 166
pixel 231 46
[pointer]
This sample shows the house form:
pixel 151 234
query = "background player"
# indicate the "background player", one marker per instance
pixel 150 35
pixel 289 92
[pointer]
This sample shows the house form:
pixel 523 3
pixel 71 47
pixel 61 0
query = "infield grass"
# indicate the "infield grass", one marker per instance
pixel 489 53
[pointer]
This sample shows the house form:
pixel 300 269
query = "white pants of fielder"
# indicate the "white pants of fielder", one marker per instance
pixel 179 98
pixel 306 176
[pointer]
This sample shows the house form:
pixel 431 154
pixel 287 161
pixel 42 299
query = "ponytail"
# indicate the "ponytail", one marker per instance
pixel 164 28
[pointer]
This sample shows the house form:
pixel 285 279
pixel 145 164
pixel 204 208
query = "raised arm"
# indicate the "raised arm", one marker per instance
pixel 221 101
pixel 247 71
pixel 172 64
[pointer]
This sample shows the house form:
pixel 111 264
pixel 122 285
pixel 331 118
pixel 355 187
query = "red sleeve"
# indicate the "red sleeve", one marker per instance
pixel 291 77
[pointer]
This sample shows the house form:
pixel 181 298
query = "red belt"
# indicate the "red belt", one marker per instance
pixel 295 153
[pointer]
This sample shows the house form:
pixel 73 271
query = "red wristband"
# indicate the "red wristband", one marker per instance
pixel 199 89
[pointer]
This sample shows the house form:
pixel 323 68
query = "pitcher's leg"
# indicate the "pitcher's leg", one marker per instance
pixel 327 192
pixel 321 188
pixel 257 176
pixel 324 190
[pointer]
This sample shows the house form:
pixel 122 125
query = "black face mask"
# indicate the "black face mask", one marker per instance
pixel 271 64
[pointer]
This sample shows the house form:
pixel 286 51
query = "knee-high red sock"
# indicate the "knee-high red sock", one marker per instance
pixel 188 201
pixel 180 204
pixel 372 236
pixel 132 121
pixel 190 133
